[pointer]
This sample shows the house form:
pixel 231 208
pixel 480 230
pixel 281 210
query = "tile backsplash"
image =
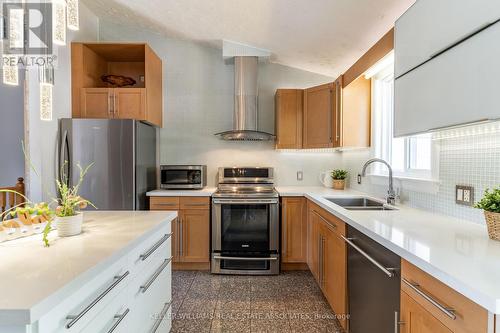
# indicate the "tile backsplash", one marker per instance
pixel 468 156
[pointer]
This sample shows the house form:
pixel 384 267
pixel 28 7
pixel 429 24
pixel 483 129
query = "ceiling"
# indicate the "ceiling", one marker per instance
pixel 322 36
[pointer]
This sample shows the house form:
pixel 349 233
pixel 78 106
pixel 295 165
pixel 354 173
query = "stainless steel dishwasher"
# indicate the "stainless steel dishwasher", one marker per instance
pixel 374 283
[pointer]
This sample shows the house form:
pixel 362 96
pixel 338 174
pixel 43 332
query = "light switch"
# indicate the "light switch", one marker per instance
pixel 464 195
pixel 300 175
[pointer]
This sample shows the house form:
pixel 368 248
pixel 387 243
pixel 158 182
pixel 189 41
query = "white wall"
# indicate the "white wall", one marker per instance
pixel 198 102
pixel 42 134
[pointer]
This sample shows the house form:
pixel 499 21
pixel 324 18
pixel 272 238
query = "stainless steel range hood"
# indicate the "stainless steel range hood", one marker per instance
pixel 245 117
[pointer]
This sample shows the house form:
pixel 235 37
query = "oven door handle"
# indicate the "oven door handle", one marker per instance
pixel 245 201
pixel 243 258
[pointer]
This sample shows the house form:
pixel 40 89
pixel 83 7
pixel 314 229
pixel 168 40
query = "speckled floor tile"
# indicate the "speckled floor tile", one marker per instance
pixel 289 302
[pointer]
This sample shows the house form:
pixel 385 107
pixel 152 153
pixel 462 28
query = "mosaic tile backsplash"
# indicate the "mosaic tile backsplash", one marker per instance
pixel 468 156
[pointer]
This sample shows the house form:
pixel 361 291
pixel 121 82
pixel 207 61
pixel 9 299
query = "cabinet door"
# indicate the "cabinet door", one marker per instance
pixel 430 26
pixel 334 270
pixel 294 230
pixel 436 94
pixel 289 105
pixel 319 118
pixel 195 242
pixel 96 103
pixel 415 319
pixel 356 113
pixel 313 243
pixel 129 103
pixel 154 86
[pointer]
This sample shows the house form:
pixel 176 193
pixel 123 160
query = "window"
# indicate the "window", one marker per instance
pixel 411 157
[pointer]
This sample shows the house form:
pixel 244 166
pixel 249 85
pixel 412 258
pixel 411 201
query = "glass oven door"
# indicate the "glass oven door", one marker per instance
pixel 246 227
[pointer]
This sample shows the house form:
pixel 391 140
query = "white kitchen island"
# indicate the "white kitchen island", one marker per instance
pixel 114 277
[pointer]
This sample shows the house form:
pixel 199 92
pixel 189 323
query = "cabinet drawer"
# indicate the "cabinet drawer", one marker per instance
pixel 337 224
pixel 194 203
pixel 164 203
pixel 148 303
pixel 435 297
pixel 159 244
pixel 88 301
pixel 115 317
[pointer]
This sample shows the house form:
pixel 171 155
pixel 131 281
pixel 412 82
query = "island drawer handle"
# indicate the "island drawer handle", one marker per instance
pixel 387 271
pixel 120 317
pixel 160 269
pixel 161 316
pixel 149 252
pixel 75 319
pixel 416 288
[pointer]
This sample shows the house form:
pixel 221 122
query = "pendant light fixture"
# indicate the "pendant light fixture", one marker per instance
pixel 59 22
pixel 46 78
pixel 72 16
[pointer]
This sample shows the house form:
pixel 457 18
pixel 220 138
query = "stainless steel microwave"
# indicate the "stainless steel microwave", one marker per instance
pixel 174 177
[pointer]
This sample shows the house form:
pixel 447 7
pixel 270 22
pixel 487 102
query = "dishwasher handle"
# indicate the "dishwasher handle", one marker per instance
pixel 387 271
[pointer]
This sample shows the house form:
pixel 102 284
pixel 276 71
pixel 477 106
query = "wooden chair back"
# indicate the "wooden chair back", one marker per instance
pixel 9 200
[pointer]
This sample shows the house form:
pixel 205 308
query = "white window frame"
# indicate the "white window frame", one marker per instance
pixel 414 179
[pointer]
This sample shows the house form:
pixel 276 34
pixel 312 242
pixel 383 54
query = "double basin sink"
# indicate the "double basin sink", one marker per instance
pixel 360 203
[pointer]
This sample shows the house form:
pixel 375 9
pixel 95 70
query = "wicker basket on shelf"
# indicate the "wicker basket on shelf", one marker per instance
pixel 493 223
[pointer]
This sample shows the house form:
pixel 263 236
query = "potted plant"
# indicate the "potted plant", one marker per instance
pixel 490 203
pixel 339 176
pixel 68 219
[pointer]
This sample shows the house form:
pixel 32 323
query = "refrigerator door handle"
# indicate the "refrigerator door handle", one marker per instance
pixel 62 160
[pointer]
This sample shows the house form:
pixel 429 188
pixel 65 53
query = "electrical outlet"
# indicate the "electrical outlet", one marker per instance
pixel 300 175
pixel 464 195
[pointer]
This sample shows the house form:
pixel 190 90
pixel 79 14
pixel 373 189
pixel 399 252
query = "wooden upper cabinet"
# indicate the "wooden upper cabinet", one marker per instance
pixel 96 103
pixel 294 230
pixel 319 116
pixel 289 112
pixel 356 114
pixel 129 103
pixel 142 100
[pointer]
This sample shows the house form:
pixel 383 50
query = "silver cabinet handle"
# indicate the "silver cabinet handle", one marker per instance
pixel 119 318
pixel 284 221
pixel 110 109
pixel 115 111
pixel 325 220
pixel 416 288
pixel 152 279
pixel 243 258
pixel 74 319
pixel 387 271
pixel 149 252
pixel 397 323
pixel 181 236
pixel 161 317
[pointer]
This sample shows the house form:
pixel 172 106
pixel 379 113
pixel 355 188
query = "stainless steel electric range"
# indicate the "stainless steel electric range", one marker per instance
pixel 245 222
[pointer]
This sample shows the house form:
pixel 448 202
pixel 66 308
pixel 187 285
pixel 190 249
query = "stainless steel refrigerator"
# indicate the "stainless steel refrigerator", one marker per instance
pixel 123 153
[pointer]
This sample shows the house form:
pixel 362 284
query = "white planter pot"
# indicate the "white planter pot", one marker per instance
pixel 69 226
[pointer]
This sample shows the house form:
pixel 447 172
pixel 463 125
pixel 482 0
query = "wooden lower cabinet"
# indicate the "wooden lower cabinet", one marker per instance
pixel 415 319
pixel 191 229
pixel 195 245
pixel 293 230
pixel 420 315
pixel 327 257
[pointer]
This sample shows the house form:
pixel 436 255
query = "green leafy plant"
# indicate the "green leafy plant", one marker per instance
pixel 69 202
pixel 339 174
pixel 490 201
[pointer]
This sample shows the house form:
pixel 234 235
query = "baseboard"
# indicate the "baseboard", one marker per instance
pixel 295 266
pixel 191 266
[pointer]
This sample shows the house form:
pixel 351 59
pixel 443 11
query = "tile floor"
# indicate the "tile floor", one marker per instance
pixel 290 302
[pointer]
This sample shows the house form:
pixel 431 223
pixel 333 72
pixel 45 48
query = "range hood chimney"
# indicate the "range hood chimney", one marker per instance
pixel 245 117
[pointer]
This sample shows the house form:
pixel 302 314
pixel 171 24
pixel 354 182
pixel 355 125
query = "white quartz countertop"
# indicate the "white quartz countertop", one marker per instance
pixel 206 192
pixel 456 252
pixel 35 278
